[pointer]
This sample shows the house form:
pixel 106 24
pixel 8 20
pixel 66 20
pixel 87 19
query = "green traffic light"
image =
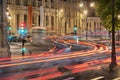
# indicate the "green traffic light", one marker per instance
pixel 75 28
pixel 9 28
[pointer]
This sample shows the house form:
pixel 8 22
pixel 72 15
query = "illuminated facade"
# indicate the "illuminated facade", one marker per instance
pixel 60 15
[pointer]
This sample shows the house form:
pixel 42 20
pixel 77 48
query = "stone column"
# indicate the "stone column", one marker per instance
pixel 37 22
pixel 55 24
pixel 41 16
pixel 50 26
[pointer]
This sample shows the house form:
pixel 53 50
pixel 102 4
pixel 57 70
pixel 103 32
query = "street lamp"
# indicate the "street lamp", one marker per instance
pixel 81 4
pixel 113 53
pixel 85 12
pixel 92 4
pixel 9 17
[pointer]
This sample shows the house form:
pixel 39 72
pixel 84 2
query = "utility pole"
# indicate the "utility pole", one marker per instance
pixel 4 46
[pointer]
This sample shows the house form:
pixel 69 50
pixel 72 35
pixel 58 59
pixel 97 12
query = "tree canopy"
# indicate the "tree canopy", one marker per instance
pixel 104 11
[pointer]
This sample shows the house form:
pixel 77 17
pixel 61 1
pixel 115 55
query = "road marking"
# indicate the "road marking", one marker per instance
pixel 97 78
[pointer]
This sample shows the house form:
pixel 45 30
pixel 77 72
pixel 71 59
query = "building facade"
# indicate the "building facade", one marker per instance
pixel 4 46
pixel 60 16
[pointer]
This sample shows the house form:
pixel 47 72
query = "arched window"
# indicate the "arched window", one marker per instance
pixel 52 22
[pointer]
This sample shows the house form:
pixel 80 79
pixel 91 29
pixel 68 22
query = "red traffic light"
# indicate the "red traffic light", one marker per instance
pixel 23 25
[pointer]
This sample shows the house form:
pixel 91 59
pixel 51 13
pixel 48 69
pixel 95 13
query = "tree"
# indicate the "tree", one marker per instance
pixel 104 11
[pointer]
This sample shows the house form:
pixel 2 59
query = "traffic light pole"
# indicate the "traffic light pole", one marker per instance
pixel 86 28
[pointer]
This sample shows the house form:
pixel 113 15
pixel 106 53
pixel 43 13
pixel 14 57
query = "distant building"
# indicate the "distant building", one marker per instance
pixel 60 15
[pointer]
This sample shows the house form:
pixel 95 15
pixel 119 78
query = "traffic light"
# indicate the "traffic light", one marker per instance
pixel 9 28
pixel 75 29
pixel 23 49
pixel 22 29
pixel 10 37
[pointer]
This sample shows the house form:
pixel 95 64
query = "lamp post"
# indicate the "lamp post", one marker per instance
pixel 113 53
pixel 65 27
pixel 92 4
pixel 86 14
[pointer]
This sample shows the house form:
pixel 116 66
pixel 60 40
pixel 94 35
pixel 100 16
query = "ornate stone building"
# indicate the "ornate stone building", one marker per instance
pixel 60 16
pixel 4 46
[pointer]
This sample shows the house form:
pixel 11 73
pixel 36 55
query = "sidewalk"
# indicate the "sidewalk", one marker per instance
pixel 102 73
pixel 15 48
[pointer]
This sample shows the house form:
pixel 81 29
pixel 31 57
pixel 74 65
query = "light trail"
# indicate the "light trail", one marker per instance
pixel 91 65
pixel 80 68
pixel 51 58
pixel 75 69
pixel 54 57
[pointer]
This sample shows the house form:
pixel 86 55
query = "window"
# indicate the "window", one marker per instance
pixel 52 22
pixel 51 1
pixel 17 19
pixel 33 20
pixel 39 4
pixel 25 2
pixel 47 20
pixel 47 5
pixel 33 3
pixel 52 5
pixel 39 20
pixel 65 0
pixel 17 2
pixel 8 1
pixel 25 18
